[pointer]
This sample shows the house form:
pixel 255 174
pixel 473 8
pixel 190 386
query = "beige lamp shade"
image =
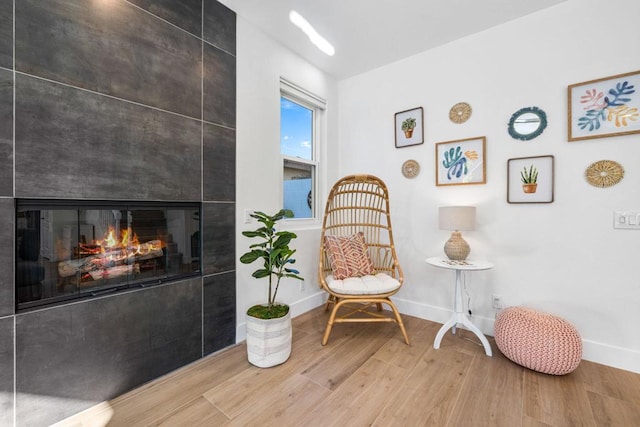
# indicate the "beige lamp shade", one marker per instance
pixel 460 218
pixel 457 218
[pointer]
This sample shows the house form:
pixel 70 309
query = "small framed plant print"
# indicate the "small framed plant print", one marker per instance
pixel 530 179
pixel 409 126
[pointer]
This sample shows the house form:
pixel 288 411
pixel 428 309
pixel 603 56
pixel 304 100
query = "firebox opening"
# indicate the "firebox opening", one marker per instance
pixel 69 250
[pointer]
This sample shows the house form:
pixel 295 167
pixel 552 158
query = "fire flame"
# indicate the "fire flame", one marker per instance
pixel 126 241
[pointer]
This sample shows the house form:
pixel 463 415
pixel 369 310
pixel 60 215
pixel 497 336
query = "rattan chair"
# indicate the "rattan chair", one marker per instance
pixel 360 203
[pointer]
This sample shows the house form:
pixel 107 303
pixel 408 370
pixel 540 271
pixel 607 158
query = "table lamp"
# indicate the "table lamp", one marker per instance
pixel 457 218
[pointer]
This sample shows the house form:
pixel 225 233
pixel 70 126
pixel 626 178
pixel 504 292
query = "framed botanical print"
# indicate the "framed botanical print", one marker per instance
pixel 461 162
pixel 409 126
pixel 530 179
pixel 604 107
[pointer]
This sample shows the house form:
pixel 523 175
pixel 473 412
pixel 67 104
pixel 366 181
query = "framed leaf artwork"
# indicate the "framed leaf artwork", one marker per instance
pixel 461 162
pixel 604 107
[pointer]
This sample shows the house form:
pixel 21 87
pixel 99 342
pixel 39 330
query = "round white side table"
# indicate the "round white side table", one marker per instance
pixel 458 316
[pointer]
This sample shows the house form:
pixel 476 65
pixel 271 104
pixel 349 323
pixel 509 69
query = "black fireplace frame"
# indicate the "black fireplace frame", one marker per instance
pixel 78 204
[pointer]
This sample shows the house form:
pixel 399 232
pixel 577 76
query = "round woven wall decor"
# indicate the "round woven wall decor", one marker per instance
pixel 460 112
pixel 410 169
pixel 604 173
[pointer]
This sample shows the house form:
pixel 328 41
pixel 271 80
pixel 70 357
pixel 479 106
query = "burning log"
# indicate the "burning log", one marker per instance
pixel 113 262
pixel 71 267
pixel 111 272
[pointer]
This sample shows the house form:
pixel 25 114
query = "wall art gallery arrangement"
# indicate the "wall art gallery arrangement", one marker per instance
pixel 599 108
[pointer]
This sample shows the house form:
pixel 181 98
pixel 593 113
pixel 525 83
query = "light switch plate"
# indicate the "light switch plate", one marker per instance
pixel 626 220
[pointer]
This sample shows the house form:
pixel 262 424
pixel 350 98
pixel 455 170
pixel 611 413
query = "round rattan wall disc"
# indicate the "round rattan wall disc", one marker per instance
pixel 604 173
pixel 460 112
pixel 410 169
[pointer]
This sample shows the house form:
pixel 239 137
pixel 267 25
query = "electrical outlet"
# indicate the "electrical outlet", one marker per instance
pixel 626 220
pixel 496 302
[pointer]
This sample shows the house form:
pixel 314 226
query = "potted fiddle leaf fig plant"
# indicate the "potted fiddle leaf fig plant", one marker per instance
pixel 408 125
pixel 269 325
pixel 529 179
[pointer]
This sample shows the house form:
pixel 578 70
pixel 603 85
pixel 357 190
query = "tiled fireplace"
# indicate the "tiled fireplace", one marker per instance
pixel 117 197
pixel 70 250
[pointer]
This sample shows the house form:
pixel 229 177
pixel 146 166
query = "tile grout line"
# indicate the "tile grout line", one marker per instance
pixel 13 194
pixel 117 98
pixel 200 255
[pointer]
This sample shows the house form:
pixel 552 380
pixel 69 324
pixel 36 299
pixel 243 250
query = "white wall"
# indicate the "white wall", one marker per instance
pixel 564 257
pixel 260 64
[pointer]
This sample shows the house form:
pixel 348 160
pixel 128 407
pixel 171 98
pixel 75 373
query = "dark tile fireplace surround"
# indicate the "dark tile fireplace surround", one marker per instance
pixel 115 100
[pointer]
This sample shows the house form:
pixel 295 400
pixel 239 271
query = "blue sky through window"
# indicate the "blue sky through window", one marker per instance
pixel 296 127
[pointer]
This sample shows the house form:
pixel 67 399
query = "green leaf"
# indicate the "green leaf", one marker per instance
pixel 249 257
pixel 261 232
pixel 259 245
pixel 282 241
pixel 259 274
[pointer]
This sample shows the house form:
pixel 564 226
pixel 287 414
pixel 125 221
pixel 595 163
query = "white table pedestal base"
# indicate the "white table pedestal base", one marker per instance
pixel 459 317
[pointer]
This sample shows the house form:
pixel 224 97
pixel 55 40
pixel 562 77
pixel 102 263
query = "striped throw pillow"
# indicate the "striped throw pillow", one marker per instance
pixel 348 256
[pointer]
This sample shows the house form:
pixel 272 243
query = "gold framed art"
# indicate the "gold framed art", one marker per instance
pixel 461 162
pixel 604 107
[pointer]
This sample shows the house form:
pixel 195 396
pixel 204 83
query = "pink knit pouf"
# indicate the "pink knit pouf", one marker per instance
pixel 538 341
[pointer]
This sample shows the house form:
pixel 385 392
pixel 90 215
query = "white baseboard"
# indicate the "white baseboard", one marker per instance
pixel 297 308
pixel 610 355
pixel 439 314
pixel 605 354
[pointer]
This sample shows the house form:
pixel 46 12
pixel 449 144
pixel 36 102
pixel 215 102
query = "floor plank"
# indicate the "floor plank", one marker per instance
pixel 240 392
pixel 428 397
pixel 609 411
pixel 397 352
pixel 557 400
pixel 503 405
pixel 197 413
pixel 366 375
pixel 346 359
pixel 356 401
pixel 161 397
pixel 610 382
pixel 286 404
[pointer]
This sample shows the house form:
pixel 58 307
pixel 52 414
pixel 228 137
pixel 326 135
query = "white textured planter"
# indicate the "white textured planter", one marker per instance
pixel 268 340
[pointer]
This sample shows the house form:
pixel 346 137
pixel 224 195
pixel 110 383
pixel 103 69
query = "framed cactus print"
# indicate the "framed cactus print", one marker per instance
pixel 461 162
pixel 409 127
pixel 604 107
pixel 530 179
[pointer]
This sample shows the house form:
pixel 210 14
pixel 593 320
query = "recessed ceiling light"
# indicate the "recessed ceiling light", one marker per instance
pixel 320 42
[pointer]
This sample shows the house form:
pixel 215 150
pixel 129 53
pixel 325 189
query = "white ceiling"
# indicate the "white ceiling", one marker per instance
pixel 368 34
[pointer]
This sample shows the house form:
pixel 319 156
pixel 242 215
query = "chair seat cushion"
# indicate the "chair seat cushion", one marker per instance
pixel 381 283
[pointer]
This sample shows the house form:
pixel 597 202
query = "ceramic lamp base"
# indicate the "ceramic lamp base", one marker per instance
pixel 456 247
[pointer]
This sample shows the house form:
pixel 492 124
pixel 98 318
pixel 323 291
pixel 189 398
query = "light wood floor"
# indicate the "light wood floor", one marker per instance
pixel 366 375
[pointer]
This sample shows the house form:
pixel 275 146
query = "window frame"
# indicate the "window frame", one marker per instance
pixel 317 105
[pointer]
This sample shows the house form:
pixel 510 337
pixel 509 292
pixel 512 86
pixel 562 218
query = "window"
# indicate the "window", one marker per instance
pixel 301 115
